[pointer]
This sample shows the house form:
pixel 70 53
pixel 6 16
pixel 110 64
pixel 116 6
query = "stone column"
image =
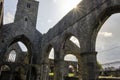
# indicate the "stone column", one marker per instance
pixel 11 76
pixel 58 74
pixel 44 69
pixel 59 65
pixel 89 66
pixel 38 72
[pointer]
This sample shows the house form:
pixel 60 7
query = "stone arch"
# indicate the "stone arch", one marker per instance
pixel 66 39
pixel 67 35
pixel 15 39
pixel 21 52
pixel 101 18
pixel 26 41
pixel 71 66
pixel 79 64
pixel 109 42
pixel 102 14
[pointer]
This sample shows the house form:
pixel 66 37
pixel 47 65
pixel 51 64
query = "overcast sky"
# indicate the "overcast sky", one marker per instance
pixel 51 11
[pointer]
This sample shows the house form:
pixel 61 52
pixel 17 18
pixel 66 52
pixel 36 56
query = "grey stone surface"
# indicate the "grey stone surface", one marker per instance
pixel 84 23
pixel 1 12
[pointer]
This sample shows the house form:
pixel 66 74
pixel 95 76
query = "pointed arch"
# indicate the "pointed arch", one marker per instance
pixel 12 56
pixel 26 41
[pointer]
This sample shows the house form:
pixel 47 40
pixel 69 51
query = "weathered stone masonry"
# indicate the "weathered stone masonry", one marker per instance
pixel 84 23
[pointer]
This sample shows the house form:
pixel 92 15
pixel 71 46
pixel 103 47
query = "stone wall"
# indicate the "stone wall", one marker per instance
pixel 1 12
pixel 83 23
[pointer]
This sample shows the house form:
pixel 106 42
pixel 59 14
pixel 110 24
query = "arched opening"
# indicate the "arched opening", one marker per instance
pixel 9 10
pixel 71 66
pixel 12 56
pixel 72 52
pixel 23 56
pixel 17 52
pixel 51 55
pixel 108 47
pixel 70 57
pixel 23 46
pixel 75 41
pixel 51 64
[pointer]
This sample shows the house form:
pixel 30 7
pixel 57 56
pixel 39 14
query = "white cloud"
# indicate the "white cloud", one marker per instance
pixel 105 34
pixel 8 18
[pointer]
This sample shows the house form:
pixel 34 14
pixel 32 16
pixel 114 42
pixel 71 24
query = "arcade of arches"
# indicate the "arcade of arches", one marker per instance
pixel 84 25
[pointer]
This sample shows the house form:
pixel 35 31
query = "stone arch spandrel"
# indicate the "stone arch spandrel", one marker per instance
pixel 10 38
pixel 67 35
pixel 83 39
pixel 28 44
pixel 103 13
pixel 45 52
pixel 71 48
pixel 23 39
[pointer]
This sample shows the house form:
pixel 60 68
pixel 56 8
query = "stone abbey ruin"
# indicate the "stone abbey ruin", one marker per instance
pixel 84 23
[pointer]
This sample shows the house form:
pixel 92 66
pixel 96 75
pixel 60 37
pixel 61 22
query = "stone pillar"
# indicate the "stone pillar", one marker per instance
pixel 38 73
pixel 80 68
pixel 58 73
pixel 44 75
pixel 59 65
pixel 11 76
pixel 89 66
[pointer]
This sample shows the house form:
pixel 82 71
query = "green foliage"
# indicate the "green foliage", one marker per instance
pixel 99 66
